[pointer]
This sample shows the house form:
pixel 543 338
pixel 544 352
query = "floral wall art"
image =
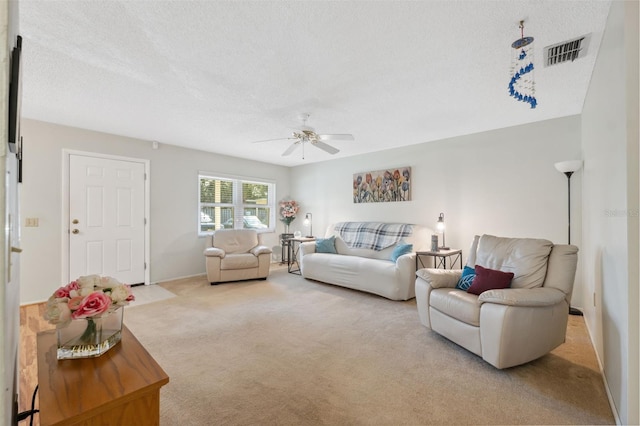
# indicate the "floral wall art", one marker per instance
pixel 382 186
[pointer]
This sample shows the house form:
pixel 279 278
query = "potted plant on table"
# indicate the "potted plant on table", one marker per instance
pixel 288 211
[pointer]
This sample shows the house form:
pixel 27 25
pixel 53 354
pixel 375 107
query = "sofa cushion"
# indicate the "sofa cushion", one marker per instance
pixel 489 279
pixel 526 257
pixel 239 261
pixel 456 303
pixel 399 250
pixel 373 235
pixel 343 248
pixel 468 274
pixel 235 240
pixel 326 245
pixel 420 238
pixel 372 275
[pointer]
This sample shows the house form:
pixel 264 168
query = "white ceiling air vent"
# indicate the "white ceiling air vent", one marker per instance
pixel 566 51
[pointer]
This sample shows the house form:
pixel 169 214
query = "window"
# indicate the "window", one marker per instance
pixel 235 203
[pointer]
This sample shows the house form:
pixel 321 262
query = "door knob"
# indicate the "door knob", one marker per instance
pixel 75 231
pixel 74 221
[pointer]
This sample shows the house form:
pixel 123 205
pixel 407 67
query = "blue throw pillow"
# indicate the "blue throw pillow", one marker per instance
pixel 401 249
pixel 468 274
pixel 326 245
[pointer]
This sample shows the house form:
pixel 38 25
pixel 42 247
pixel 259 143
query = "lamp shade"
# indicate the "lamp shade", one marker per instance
pixel 568 166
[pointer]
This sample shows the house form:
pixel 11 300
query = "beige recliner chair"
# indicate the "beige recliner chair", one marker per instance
pixel 510 326
pixel 236 254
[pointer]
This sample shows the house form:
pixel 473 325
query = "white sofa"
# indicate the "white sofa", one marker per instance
pixel 509 326
pixel 236 254
pixel 366 269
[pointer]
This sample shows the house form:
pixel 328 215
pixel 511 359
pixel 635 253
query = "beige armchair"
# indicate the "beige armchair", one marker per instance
pixel 235 255
pixel 510 326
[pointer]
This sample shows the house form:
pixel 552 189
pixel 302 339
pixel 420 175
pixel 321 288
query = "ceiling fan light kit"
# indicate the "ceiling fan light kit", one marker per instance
pixel 307 134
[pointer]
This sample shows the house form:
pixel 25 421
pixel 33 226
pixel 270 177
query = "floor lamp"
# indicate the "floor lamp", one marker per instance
pixel 568 168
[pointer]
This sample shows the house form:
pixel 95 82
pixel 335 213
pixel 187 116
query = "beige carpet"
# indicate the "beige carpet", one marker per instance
pixel 288 351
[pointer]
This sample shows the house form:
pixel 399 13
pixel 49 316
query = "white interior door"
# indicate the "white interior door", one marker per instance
pixel 106 218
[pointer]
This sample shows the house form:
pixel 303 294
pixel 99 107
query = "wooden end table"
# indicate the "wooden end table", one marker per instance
pixel 120 387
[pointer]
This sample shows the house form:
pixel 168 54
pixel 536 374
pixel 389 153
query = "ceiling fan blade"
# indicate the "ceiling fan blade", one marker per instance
pixel 291 148
pixel 343 137
pixel 272 140
pixel 323 146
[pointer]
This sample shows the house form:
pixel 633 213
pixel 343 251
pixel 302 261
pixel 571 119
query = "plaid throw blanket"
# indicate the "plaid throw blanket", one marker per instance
pixel 372 235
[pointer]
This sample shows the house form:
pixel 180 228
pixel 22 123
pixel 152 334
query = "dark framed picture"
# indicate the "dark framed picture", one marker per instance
pixel 15 97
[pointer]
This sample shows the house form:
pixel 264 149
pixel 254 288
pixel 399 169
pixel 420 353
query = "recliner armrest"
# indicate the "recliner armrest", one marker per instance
pixel 214 251
pixel 540 296
pixel 440 278
pixel 257 250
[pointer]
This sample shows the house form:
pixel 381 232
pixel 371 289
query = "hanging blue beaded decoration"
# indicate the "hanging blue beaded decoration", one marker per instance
pixel 521 85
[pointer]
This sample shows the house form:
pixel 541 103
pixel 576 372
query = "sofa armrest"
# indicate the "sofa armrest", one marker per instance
pixel 257 250
pixel 406 258
pixel 440 278
pixel 306 248
pixel 540 296
pixel 214 251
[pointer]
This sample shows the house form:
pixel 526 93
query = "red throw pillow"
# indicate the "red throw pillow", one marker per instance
pixel 489 279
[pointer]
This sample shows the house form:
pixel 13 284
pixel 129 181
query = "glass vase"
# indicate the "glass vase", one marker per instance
pixel 90 337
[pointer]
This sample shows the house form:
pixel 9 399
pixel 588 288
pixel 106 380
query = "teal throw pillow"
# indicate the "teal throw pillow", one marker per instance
pixel 468 274
pixel 326 245
pixel 401 249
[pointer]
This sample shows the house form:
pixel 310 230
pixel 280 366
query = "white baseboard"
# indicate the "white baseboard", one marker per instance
pixel 612 404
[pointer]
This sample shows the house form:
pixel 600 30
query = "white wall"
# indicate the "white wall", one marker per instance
pixel 176 251
pixel 501 182
pixel 610 208
pixel 10 281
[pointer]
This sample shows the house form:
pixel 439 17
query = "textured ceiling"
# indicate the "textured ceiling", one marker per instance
pixel 217 75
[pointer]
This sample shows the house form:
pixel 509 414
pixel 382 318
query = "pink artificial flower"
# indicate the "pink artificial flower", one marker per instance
pixel 61 293
pixel 73 285
pixel 75 302
pixel 94 304
pixel 131 297
pixel 86 297
pixel 72 289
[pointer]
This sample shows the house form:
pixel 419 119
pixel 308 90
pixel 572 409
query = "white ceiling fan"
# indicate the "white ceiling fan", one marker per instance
pixel 307 134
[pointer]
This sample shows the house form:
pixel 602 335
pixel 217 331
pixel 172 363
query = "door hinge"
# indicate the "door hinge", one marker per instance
pixel 145 266
pixel 145 220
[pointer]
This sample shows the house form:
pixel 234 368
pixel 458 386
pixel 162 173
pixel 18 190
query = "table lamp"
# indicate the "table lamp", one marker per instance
pixel 440 225
pixel 307 222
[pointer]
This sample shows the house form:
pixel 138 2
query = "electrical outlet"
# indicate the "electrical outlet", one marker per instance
pixel 31 222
